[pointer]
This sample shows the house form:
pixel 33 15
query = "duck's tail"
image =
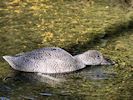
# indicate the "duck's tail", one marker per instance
pixel 9 59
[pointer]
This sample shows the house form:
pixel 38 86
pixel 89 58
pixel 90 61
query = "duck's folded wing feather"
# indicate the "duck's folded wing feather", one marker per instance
pixel 46 53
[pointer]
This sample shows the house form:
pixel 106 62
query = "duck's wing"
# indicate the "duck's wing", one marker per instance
pixel 39 53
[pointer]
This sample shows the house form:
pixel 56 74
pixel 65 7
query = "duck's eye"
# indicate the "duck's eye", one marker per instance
pixel 98 56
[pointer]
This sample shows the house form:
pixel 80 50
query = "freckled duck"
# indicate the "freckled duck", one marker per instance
pixel 54 60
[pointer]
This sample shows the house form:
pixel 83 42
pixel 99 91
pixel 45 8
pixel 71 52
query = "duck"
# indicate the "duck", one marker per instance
pixel 54 60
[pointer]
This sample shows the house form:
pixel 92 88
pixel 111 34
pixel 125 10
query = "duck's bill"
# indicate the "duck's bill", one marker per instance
pixel 107 62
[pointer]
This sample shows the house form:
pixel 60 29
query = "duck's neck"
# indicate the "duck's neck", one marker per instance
pixel 79 58
pixel 82 58
pixel 79 62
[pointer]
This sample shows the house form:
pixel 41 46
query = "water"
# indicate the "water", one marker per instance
pixel 76 27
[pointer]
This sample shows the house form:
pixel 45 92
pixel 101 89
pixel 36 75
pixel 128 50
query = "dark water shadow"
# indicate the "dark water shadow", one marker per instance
pixel 111 32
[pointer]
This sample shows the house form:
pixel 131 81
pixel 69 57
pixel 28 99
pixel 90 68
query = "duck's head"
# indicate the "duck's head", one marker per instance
pixel 93 57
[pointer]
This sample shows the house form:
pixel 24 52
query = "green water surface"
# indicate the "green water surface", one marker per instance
pixel 76 26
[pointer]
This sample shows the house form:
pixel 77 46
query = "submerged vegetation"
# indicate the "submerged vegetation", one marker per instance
pixel 76 26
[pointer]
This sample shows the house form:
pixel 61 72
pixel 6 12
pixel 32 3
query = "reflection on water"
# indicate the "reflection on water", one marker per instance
pixel 18 81
pixel 90 73
pixel 35 78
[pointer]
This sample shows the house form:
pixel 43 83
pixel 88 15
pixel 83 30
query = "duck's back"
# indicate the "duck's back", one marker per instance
pixel 45 60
